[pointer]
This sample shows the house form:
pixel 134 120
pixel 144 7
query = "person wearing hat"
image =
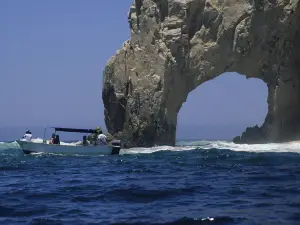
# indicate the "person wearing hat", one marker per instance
pixel 28 135
pixel 101 139
pixel 93 137
pixel 51 142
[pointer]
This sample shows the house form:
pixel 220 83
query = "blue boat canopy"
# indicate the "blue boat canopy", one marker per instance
pixel 74 130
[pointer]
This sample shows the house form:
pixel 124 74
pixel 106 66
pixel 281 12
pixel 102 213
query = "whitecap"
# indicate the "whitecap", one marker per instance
pixel 293 147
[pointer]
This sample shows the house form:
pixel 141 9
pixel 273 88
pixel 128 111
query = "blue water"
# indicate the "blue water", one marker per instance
pixel 197 184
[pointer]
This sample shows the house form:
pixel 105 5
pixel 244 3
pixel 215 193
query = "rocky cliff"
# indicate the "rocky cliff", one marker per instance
pixel 176 45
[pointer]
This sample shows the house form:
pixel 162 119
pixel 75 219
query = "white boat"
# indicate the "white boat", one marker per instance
pixel 29 147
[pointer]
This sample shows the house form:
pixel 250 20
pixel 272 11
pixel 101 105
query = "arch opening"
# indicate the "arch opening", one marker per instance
pixel 222 108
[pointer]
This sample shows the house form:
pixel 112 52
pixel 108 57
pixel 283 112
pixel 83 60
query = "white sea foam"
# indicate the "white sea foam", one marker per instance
pixel 14 145
pixel 156 149
pixel 271 147
pixel 293 147
pixel 191 145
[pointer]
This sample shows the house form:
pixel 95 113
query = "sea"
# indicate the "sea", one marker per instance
pixel 195 182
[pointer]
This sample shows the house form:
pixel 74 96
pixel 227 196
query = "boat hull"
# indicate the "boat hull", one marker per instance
pixel 32 147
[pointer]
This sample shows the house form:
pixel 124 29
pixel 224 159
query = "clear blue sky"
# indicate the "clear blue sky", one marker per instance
pixel 53 54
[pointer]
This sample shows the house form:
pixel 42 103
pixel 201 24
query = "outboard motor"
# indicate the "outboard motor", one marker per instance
pixel 116 147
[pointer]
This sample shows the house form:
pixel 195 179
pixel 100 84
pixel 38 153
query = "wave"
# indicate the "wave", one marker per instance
pixel 9 145
pixel 292 147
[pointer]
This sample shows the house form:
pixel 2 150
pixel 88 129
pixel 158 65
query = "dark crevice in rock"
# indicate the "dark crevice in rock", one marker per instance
pixel 259 5
pixel 138 5
pixel 273 2
pixel 194 17
pixel 209 16
pixel 115 113
pixel 130 21
pixel 163 7
pixel 129 88
pixel 234 37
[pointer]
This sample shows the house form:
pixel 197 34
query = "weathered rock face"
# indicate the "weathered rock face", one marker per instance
pixel 176 45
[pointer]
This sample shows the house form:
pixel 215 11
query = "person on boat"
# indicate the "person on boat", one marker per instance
pixel 84 141
pixel 28 135
pixel 51 142
pixel 92 138
pixel 102 139
pixel 98 131
pixel 56 140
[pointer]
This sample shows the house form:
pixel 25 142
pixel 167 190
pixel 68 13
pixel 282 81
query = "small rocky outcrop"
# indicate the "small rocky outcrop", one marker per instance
pixel 252 135
pixel 176 45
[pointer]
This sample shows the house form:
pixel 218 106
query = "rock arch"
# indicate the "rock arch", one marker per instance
pixel 149 78
pixel 222 108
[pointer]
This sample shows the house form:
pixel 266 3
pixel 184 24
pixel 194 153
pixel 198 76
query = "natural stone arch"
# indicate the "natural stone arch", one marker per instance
pixel 222 108
pixel 176 45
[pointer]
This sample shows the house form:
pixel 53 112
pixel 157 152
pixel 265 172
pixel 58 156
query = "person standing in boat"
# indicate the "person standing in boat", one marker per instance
pixel 84 141
pixel 51 142
pixel 28 135
pixel 101 140
pixel 92 138
pixel 56 140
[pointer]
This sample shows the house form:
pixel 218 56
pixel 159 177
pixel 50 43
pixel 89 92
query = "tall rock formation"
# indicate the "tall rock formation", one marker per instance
pixel 176 45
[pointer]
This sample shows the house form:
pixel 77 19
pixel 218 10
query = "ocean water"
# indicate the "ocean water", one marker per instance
pixel 198 182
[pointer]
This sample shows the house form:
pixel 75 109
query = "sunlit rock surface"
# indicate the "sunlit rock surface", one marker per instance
pixel 176 45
